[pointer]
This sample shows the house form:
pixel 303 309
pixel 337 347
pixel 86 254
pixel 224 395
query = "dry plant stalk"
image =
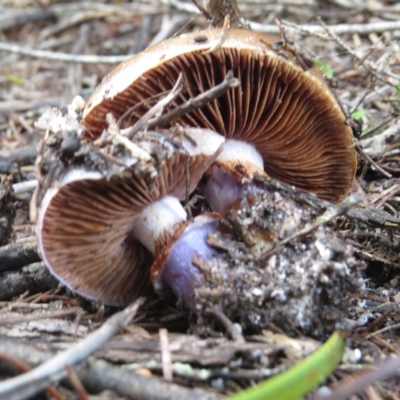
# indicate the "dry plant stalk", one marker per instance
pixel 217 10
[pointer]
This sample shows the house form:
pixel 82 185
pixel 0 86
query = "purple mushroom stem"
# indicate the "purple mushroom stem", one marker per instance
pixel 221 189
pixel 179 274
pixel 228 178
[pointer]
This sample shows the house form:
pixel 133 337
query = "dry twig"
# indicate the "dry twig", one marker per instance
pixel 347 388
pixel 97 375
pixel 165 355
pixel 233 331
pixel 16 255
pixel 58 56
pixel 217 10
pixel 228 83
pixel 157 108
pixel 53 370
pixel 328 215
pixel 24 367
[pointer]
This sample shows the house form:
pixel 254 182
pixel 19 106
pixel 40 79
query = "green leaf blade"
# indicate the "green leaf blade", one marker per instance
pixel 302 377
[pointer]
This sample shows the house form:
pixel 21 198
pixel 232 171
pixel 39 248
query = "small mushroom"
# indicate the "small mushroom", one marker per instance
pixel 97 232
pixel 283 107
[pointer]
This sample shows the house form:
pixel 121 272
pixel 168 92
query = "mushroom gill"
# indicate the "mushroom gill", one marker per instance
pixel 85 224
pixel 288 114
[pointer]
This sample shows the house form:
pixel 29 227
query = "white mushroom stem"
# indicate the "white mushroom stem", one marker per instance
pixel 241 152
pixel 223 189
pixel 158 219
pixel 163 216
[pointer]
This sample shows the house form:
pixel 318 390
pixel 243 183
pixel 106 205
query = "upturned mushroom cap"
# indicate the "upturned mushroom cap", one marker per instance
pixel 287 112
pixel 85 221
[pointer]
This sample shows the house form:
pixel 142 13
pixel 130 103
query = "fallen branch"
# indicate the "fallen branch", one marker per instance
pixel 17 255
pixel 101 376
pixel 97 375
pixel 30 383
pixel 34 278
pixel 24 367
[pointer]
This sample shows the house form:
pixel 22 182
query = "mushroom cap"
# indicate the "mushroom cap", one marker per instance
pixel 85 220
pixel 287 112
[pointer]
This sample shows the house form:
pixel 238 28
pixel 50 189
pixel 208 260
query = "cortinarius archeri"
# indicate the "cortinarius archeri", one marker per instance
pixel 282 108
pixel 92 225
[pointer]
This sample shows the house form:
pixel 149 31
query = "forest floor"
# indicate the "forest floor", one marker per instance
pixel 53 51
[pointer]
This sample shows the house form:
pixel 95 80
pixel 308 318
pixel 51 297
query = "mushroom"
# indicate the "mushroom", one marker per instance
pixel 98 226
pixel 282 108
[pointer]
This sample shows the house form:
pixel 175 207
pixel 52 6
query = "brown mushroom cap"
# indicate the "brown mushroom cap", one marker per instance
pixel 289 114
pixel 85 222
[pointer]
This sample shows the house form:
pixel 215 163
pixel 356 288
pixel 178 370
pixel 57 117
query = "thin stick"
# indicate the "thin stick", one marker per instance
pixel 217 10
pixel 97 375
pixel 187 194
pixel 134 149
pixel 199 101
pixel 327 216
pixel 347 388
pixel 228 325
pixel 127 114
pixel 157 107
pixel 372 162
pixel 8 320
pixel 24 367
pixel 223 36
pixel 372 68
pixel 165 355
pixel 58 56
pixel 34 381
pixel 340 29
pixel 376 145
pixel 385 329
pixel 76 384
